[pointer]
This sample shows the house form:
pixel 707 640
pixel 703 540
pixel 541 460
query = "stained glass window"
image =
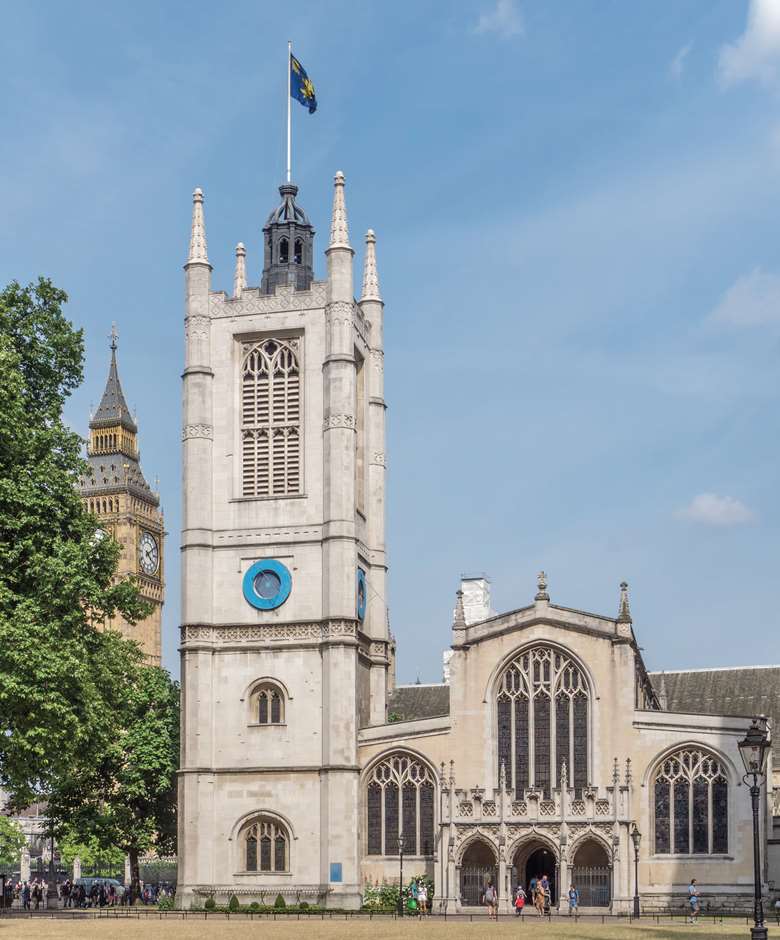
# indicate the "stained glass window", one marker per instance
pixel 505 737
pixel 542 744
pixel 701 814
pixel 409 826
pixel 391 818
pixel 400 791
pixel 550 693
pixel 270 834
pixel 662 817
pixel 696 815
pixel 720 816
pixel 269 705
pixel 374 803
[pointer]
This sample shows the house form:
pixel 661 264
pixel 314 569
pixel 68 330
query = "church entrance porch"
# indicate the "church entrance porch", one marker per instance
pixel 479 866
pixel 532 863
pixel 591 875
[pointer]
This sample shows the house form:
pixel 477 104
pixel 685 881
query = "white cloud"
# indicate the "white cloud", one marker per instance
pixel 505 19
pixel 677 65
pixel 752 300
pixel 756 54
pixel 711 509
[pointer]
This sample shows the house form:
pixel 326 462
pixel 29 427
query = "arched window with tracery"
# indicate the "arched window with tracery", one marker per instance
pixel 691 804
pixel 542 712
pixel 399 798
pixel 265 844
pixel 271 418
pixel 267 704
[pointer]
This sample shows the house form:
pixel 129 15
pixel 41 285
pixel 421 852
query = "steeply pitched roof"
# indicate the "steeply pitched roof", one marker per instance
pixel 113 409
pixel 745 690
pixel 116 473
pixel 412 702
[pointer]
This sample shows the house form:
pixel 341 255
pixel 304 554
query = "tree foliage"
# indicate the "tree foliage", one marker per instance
pixel 12 841
pixel 61 679
pixel 126 798
pixel 89 851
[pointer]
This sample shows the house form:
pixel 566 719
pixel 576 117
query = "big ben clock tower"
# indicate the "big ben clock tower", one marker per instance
pixel 116 491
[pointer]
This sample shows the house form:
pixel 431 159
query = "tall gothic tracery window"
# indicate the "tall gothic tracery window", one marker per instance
pixel 271 418
pixel 690 792
pixel 266 846
pixel 399 798
pixel 542 711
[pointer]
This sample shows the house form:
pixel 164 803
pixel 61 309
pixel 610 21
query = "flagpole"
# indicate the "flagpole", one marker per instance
pixel 289 110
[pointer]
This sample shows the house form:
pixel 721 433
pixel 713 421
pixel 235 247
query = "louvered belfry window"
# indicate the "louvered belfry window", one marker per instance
pixel 271 418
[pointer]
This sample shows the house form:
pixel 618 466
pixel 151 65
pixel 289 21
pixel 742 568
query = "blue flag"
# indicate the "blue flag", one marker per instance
pixel 301 87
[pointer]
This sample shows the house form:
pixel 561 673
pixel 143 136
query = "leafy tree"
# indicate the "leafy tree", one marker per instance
pixel 91 853
pixel 12 841
pixel 60 677
pixel 126 797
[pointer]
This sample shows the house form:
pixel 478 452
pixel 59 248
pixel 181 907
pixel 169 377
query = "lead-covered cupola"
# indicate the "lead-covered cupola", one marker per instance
pixel 288 245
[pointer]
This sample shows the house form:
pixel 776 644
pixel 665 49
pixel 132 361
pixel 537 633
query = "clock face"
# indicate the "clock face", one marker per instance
pixel 149 553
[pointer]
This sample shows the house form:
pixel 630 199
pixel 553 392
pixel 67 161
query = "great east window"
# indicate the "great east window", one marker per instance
pixel 690 793
pixel 399 798
pixel 271 418
pixel 542 713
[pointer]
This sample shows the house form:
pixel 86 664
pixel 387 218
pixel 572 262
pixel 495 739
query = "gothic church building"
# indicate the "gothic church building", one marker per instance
pixel 302 763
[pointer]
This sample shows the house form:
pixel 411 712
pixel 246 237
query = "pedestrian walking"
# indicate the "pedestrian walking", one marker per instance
pixel 491 898
pixel 519 900
pixel 693 900
pixel 26 896
pixel 574 900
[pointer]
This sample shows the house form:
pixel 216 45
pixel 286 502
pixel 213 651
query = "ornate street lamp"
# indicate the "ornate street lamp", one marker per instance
pixel 401 874
pixel 754 750
pixel 636 838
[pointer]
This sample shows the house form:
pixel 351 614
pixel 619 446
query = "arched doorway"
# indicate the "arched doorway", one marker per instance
pixel 476 869
pixel 591 875
pixel 542 861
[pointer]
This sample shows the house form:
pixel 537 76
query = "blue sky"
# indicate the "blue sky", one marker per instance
pixel 576 207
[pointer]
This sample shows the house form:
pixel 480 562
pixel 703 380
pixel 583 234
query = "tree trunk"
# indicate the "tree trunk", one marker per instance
pixel 135 875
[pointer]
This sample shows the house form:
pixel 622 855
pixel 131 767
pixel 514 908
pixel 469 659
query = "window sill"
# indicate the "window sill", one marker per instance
pixel 266 724
pixel 394 858
pixel 700 857
pixel 262 874
pixel 265 499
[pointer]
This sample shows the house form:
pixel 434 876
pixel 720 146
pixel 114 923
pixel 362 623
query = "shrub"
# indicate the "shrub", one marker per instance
pixel 210 904
pixel 279 902
pixel 254 906
pixel 304 906
pixel 165 904
pixel 233 906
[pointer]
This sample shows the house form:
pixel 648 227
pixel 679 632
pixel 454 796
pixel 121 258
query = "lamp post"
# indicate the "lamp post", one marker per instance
pixel 636 838
pixel 754 750
pixel 401 874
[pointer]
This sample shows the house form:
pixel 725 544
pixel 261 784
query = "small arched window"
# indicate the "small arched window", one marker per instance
pixel 284 251
pixel 298 256
pixel 691 805
pixel 267 704
pixel 265 845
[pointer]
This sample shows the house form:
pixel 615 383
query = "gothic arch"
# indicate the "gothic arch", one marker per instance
pixel 392 751
pixel 473 839
pixel 491 686
pixel 588 835
pixel 733 775
pixel 532 840
pixel 242 821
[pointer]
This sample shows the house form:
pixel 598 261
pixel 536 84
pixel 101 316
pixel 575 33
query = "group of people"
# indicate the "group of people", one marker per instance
pixel 100 894
pixel 418 897
pixel 29 893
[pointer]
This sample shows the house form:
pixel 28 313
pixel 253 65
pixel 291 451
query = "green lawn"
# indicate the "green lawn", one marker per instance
pixel 234 929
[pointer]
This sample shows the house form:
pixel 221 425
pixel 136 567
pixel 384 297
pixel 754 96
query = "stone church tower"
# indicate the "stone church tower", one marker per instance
pixel 116 491
pixel 285 645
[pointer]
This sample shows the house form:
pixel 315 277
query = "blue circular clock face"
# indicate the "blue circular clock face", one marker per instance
pixel 267 584
pixel 362 594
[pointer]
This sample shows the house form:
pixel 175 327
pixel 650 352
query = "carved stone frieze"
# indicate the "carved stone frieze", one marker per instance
pixel 378 459
pixel 285 299
pixel 339 421
pixel 196 326
pixel 197 430
pixel 317 632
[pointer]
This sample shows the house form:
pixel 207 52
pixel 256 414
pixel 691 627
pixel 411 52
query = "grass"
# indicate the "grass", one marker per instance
pixel 221 929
